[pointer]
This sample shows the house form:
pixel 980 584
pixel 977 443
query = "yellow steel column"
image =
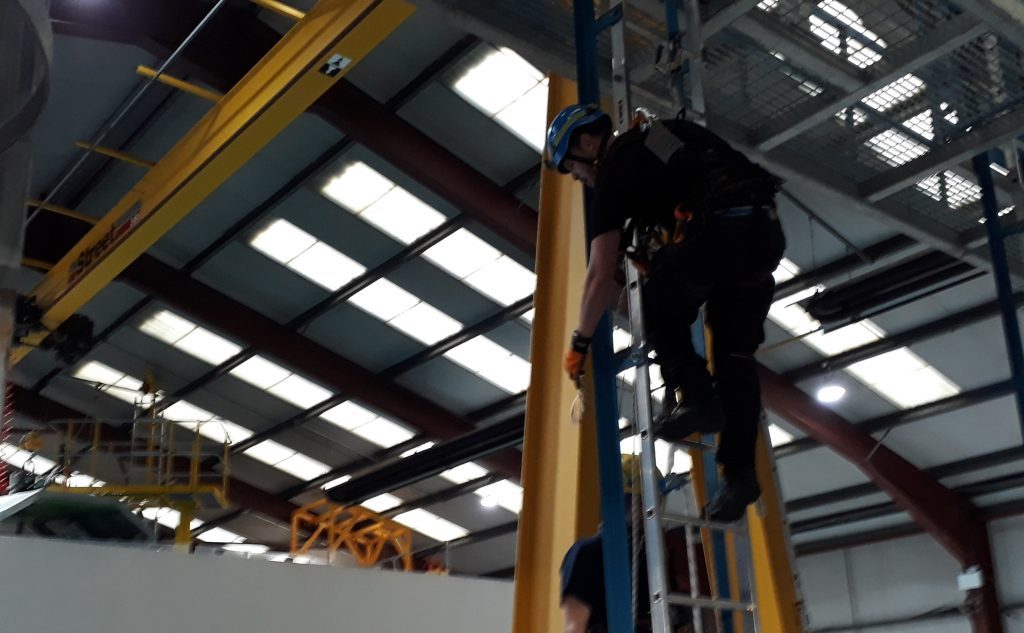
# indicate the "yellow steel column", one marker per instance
pixel 327 43
pixel 778 602
pixel 183 533
pixel 550 517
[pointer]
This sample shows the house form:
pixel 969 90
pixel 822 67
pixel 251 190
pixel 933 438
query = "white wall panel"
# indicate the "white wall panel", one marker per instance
pixel 64 586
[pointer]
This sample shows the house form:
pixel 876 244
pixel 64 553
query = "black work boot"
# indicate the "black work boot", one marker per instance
pixel 738 491
pixel 691 416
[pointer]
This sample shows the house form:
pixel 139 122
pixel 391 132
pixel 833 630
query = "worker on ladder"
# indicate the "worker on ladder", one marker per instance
pixel 709 234
pixel 582 572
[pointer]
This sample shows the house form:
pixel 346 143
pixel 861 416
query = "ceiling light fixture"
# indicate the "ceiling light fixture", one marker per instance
pixel 831 393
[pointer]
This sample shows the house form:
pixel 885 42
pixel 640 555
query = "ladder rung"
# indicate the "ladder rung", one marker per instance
pixel 684 600
pixel 679 519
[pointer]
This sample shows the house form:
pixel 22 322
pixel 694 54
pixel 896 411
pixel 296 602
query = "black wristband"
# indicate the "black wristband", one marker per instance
pixel 580 343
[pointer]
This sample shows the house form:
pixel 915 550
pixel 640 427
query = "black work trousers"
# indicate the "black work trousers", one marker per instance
pixel 728 264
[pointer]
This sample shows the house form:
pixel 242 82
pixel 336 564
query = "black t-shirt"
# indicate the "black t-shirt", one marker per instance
pixel 647 173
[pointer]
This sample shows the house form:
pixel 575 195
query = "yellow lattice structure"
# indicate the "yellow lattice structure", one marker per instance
pixel 361 532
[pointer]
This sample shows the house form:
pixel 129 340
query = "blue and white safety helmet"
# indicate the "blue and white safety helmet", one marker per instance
pixel 563 125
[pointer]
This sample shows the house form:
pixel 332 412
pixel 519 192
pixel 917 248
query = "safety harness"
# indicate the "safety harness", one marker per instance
pixel 720 174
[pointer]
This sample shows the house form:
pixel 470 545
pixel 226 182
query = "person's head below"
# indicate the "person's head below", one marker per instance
pixel 632 488
pixel 577 141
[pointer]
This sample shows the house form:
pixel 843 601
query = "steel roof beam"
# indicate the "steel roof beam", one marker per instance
pixel 264 335
pixel 952 520
pixel 399 368
pixel 896 63
pixel 943 157
pixel 945 515
pixel 303 355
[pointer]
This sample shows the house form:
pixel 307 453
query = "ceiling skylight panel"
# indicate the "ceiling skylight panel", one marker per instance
pixel 511 374
pixel 167 326
pixel 832 38
pixel 464 472
pixel 431 525
pixel 384 300
pixel 493 363
pixel 300 392
pixel 778 435
pixel 183 411
pixel 282 241
pixel 260 372
pixel 336 482
pixel 895 93
pixel 97 372
pixel 504 280
pixel 111 381
pixel 348 415
pixel 224 431
pixel 497 80
pixel 922 124
pixel 525 117
pixel 903 378
pixel 326 266
pixel 287 460
pixel 357 187
pixel 403 216
pixel 303 467
pixel 621 339
pixel 207 346
pixel 896 148
pixel 384 432
pixel 269 452
pixel 382 502
pixel 477 353
pixel 959 192
pixel 426 324
pixel 845 338
pixel 35 464
pixel 220 535
pixel 502 493
pixel 462 253
pixel 667 458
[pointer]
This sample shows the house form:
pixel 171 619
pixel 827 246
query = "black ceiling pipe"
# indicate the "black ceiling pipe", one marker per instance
pixel 400 472
pixel 852 299
pixel 843 265
pixel 960 319
pixel 929 409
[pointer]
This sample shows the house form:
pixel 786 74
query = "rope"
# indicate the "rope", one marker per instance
pixel 5 435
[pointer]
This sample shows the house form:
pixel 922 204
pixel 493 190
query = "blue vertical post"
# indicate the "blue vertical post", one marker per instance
pixel 1004 286
pixel 614 540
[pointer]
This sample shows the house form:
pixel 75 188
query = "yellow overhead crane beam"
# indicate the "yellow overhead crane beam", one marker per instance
pixel 309 59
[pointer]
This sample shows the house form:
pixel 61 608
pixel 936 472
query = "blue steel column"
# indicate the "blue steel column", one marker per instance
pixel 1004 286
pixel 617 572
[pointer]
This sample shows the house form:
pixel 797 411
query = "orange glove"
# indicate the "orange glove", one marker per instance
pixel 576 357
